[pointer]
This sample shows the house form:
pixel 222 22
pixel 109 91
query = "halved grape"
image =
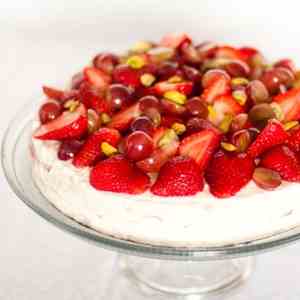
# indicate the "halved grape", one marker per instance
pixel 49 111
pixel 197 108
pixel 143 124
pixel 138 146
pixel 119 96
pixel 147 102
pixel 105 62
pixel 69 148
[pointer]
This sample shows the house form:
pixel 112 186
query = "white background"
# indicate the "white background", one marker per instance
pixel 45 42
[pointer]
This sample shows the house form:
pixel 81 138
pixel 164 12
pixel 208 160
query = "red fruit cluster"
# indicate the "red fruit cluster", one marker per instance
pixel 184 112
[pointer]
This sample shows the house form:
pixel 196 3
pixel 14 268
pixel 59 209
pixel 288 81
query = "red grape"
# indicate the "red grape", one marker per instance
pixel 197 108
pixel 77 80
pixel 172 108
pixel 105 62
pixel 69 148
pixel 138 145
pixel 197 124
pixel 191 73
pixel 167 70
pixel 49 111
pixel 147 102
pixel 119 96
pixel 143 124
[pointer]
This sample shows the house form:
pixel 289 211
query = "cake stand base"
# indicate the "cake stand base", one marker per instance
pixel 161 279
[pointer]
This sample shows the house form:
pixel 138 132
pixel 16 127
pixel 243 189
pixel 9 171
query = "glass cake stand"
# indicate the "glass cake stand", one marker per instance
pixel 152 272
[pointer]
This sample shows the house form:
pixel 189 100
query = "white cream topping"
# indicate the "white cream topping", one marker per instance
pixel 200 220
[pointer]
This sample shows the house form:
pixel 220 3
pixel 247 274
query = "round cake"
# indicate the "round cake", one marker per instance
pixel 174 144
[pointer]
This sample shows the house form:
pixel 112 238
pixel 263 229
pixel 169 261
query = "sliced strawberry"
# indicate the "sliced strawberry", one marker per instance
pixel 222 106
pixel 290 104
pixel 284 161
pixel 91 150
pixel 127 76
pixel 273 134
pixel 97 77
pixel 93 97
pixel 117 174
pixel 67 126
pixel 293 140
pixel 121 120
pixel 228 173
pixel 180 176
pixel 174 40
pixel 162 152
pixel 182 87
pixel 247 53
pixel 200 146
pixel 216 83
pixel 169 120
pixel 59 95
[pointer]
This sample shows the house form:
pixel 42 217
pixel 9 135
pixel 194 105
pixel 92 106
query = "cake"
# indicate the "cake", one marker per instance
pixel 174 144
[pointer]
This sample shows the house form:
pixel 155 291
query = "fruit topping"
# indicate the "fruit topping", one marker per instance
pixel 49 111
pixel 69 148
pixel 180 176
pixel 119 175
pixel 266 179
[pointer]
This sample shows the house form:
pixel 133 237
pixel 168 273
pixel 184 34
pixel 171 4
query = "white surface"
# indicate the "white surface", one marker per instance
pixel 42 42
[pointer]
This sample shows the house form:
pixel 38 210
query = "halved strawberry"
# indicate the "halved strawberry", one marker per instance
pixel 284 161
pixel 93 97
pixel 200 146
pixel 273 134
pixel 216 83
pixel 117 174
pixel 228 173
pixel 179 176
pixel 222 106
pixel 293 140
pixel 59 95
pixel 121 120
pixel 67 126
pixel 97 77
pixel 174 40
pixel 185 87
pixel 166 144
pixel 91 150
pixel 290 104
pixel 127 76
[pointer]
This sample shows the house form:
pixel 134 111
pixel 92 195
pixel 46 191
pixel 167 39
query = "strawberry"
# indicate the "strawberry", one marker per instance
pixel 216 83
pixel 91 150
pixel 127 76
pixel 121 120
pixel 97 77
pixel 67 126
pixel 228 173
pixel 273 134
pixel 290 104
pixel 169 120
pixel 117 174
pixel 174 40
pixel 293 141
pixel 284 161
pixel 200 146
pixel 179 176
pixel 247 53
pixel 93 98
pixel 185 87
pixel 222 106
pixel 166 145
pixel 59 95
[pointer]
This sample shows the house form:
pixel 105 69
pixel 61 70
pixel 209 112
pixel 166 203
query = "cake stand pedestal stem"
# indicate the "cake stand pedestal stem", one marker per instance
pixel 186 277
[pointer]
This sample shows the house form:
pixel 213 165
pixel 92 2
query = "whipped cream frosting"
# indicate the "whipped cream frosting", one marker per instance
pixel 200 220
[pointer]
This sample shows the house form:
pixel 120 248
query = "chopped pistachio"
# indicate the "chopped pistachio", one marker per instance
pixel 212 114
pixel 175 79
pixel 147 79
pixel 105 118
pixel 228 147
pixel 175 97
pixel 277 110
pixel 167 138
pixel 290 125
pixel 135 62
pixel 239 81
pixel 159 54
pixel 240 96
pixel 71 105
pixel 108 149
pixel 179 128
pixel 226 123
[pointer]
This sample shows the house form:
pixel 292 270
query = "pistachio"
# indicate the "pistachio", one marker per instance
pixel 228 147
pixel 241 139
pixel 239 81
pixel 71 105
pixel 175 79
pixel 239 122
pixel 135 62
pixel 175 97
pixel 160 54
pixel 260 114
pixel 226 123
pixel 277 111
pixel 167 138
pixel 108 149
pixel 240 96
pixel 179 128
pixel 105 118
pixel 141 47
pixel 290 125
pixel 147 79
